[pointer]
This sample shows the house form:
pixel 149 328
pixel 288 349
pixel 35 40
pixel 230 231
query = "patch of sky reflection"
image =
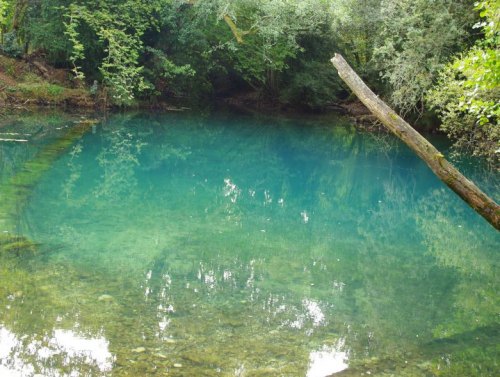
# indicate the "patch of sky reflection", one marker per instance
pixel 328 360
pixel 67 345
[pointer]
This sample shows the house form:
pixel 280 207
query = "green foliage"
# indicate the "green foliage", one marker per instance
pixel 5 13
pixel 312 87
pixel 278 49
pixel 162 71
pixel 118 27
pixel 54 90
pixel 8 37
pixel 77 52
pixel 166 68
pixel 416 40
pixel 260 38
pixel 356 24
pixel 120 70
pixel 10 46
pixel 41 90
pixel 45 93
pixel 44 30
pixel 466 96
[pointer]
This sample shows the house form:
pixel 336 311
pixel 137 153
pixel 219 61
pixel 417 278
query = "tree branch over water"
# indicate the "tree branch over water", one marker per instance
pixel 444 170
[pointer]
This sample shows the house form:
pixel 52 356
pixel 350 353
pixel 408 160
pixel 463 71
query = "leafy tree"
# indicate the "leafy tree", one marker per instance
pixel 466 96
pixel 160 72
pixel 8 40
pixel 176 62
pixel 43 30
pixel 356 24
pixel 262 37
pixel 5 9
pixel 119 32
pixel 416 40
pixel 118 27
pixel 309 81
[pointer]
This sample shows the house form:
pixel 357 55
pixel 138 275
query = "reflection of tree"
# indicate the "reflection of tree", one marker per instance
pixel 395 290
pixel 466 246
pixel 75 170
pixel 118 158
pixel 407 291
pixel 464 249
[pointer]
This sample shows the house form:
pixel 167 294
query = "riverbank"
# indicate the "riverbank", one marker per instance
pixel 32 82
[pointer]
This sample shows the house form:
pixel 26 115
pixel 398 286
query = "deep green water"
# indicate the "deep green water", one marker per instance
pixel 189 245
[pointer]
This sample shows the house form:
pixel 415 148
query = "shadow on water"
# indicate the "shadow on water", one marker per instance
pixel 235 246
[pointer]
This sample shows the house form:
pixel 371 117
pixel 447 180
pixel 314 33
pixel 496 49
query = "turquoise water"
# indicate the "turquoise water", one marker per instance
pixel 230 245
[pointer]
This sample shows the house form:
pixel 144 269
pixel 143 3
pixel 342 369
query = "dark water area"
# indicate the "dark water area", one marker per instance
pixel 232 245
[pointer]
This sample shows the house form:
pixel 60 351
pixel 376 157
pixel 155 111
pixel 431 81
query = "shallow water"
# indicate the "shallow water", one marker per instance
pixel 229 245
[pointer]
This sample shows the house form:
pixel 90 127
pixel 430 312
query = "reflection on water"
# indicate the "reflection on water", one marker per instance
pixel 328 360
pixel 65 346
pixel 176 245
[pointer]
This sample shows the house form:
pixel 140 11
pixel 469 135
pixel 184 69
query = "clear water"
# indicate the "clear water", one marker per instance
pixel 189 245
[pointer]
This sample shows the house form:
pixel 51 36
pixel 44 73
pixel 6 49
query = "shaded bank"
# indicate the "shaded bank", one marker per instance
pixel 28 82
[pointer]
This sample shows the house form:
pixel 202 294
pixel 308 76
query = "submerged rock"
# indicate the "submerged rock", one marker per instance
pixel 105 298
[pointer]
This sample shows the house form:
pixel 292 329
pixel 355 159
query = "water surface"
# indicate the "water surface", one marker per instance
pixel 229 245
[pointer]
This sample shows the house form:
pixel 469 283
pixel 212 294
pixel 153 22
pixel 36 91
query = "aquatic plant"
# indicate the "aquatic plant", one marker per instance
pixel 18 245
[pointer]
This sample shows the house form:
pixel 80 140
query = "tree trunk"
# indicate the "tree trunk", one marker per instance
pixel 445 171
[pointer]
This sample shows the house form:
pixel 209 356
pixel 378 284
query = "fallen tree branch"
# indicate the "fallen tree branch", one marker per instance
pixel 445 171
